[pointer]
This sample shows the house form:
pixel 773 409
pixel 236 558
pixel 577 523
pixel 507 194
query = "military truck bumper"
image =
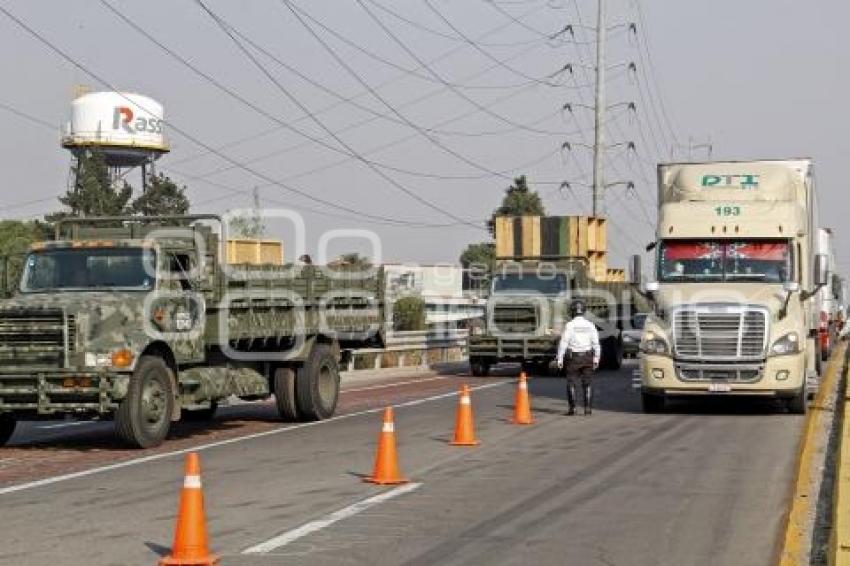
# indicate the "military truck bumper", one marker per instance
pixel 42 394
pixel 499 349
pixel 778 376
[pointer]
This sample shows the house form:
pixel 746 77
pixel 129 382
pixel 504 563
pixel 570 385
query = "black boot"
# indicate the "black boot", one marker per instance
pixel 571 399
pixel 588 398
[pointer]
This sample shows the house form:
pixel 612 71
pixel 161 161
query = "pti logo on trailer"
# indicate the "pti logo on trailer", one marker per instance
pixel 121 118
pixel 726 181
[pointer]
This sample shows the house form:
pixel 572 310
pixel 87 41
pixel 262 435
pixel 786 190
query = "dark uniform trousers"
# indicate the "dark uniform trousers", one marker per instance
pixel 579 368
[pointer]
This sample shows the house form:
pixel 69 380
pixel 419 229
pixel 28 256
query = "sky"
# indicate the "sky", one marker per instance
pixel 399 123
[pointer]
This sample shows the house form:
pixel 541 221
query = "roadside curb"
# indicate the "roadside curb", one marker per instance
pixel 796 538
pixel 839 540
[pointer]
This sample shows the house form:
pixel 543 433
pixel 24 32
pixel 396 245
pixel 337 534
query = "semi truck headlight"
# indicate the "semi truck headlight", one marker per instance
pixel 787 344
pixel 654 344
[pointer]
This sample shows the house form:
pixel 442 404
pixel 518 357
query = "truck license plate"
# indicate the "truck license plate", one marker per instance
pixel 719 387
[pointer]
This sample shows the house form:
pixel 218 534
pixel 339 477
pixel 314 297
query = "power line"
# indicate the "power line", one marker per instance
pixel 422 27
pixel 444 55
pixel 184 133
pixel 293 99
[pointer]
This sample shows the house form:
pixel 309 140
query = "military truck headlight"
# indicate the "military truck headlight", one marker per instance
pixel 787 344
pixel 654 344
pixel 628 339
pixel 98 360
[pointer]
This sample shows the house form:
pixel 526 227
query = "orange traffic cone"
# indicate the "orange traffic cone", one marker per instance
pixel 522 406
pixel 465 422
pixel 191 545
pixel 386 462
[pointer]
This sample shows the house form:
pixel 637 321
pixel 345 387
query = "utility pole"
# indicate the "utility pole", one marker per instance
pixel 599 114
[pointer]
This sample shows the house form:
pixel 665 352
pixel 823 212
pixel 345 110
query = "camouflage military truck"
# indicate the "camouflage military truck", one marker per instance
pixel 141 321
pixel 528 307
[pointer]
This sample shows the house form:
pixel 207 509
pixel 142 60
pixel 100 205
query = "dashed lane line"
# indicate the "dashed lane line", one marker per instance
pixel 328 520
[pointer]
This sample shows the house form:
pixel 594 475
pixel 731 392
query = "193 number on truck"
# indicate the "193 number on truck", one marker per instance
pixel 727 210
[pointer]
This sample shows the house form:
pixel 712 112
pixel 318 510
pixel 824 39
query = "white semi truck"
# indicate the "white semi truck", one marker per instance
pixel 736 282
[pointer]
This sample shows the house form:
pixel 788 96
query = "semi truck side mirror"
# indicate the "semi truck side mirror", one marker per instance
pixel 821 270
pixel 636 270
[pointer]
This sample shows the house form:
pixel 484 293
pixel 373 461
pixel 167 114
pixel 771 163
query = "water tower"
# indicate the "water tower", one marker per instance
pixel 126 128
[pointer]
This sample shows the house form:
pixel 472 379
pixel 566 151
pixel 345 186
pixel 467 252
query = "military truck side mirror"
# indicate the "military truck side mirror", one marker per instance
pixel 821 270
pixel 636 270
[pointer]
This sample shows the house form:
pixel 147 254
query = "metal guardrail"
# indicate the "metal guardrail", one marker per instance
pixel 401 347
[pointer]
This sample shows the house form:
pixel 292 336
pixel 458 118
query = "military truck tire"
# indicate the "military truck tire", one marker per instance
pixel 479 368
pixel 144 416
pixel 652 403
pixel 317 385
pixel 7 428
pixel 612 353
pixel 799 403
pixel 284 394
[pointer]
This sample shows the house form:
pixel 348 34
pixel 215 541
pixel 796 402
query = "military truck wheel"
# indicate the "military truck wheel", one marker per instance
pixel 799 403
pixel 612 353
pixel 284 394
pixel 317 385
pixel 652 403
pixel 144 416
pixel 479 368
pixel 7 428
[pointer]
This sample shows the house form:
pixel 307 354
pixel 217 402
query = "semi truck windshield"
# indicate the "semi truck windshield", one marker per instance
pixel 531 282
pixel 88 269
pixel 766 261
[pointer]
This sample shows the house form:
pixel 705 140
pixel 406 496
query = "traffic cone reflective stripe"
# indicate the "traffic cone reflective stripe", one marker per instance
pixel 386 470
pixel 465 421
pixel 191 544
pixel 522 405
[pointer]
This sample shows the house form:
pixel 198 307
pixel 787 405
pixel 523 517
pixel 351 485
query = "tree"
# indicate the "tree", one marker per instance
pixel 519 200
pixel 480 254
pixel 478 261
pixel 161 197
pixel 409 313
pixel 93 193
pixel 15 239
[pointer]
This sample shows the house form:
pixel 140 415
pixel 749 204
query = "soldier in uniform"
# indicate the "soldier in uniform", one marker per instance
pixel 578 353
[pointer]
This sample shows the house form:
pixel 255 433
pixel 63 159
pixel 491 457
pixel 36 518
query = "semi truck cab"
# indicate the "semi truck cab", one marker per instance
pixel 734 284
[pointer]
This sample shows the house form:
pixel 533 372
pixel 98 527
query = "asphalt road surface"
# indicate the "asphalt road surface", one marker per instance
pixel 705 483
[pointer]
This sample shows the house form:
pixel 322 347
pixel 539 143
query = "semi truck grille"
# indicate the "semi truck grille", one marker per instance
pixel 515 318
pixel 35 337
pixel 697 373
pixel 709 334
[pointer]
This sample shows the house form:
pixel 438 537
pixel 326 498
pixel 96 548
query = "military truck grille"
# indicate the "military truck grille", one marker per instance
pixel 35 337
pixel 709 334
pixel 515 318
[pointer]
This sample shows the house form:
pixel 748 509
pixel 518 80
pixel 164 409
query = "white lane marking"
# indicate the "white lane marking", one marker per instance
pixel 225 442
pixel 63 425
pixel 319 524
pixel 388 385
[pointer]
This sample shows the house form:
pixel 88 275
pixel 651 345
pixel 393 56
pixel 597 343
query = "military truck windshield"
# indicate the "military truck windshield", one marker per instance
pixel 530 282
pixel 85 269
pixel 764 261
